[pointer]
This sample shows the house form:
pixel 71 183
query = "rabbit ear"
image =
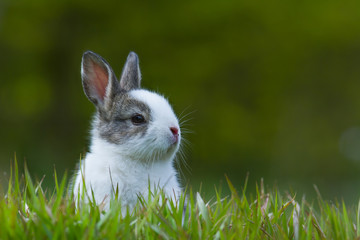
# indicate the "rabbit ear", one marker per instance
pixel 98 79
pixel 131 76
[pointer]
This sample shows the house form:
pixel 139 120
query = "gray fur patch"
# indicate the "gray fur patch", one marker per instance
pixel 116 126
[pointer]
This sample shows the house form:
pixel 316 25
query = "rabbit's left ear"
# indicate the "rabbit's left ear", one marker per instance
pixel 131 75
pixel 99 81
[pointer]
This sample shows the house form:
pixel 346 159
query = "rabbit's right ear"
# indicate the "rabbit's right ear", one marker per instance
pixel 98 79
pixel 131 76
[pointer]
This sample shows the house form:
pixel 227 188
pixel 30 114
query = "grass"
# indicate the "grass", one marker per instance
pixel 29 212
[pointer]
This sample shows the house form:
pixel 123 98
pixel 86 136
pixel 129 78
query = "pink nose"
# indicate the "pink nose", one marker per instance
pixel 175 131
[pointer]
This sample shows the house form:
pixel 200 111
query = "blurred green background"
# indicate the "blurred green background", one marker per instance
pixel 272 87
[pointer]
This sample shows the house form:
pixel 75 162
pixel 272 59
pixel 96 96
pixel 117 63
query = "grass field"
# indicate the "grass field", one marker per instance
pixel 29 212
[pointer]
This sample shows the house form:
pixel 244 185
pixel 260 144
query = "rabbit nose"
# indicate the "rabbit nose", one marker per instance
pixel 175 132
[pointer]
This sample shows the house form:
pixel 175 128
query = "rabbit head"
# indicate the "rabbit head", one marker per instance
pixel 138 123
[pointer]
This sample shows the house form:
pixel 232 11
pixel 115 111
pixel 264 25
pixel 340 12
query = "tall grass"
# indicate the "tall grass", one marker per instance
pixel 27 211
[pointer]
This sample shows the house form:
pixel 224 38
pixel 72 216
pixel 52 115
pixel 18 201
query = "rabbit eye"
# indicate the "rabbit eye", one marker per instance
pixel 137 119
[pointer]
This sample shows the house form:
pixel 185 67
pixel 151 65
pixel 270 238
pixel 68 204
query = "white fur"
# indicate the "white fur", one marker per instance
pixel 110 166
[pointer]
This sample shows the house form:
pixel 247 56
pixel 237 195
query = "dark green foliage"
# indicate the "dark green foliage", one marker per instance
pixel 274 84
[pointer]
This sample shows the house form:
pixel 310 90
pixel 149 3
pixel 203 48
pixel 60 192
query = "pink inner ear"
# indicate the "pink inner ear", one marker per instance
pixel 100 80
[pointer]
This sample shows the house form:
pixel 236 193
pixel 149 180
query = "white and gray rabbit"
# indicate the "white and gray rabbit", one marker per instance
pixel 134 139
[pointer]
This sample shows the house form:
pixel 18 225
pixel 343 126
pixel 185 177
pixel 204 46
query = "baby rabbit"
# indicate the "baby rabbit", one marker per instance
pixel 134 139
